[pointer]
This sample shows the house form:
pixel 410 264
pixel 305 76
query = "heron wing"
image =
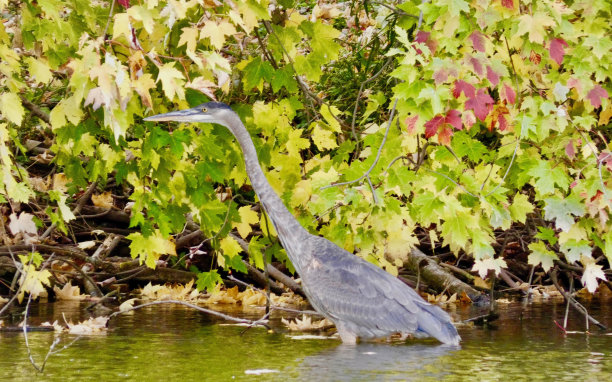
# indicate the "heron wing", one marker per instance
pixel 366 299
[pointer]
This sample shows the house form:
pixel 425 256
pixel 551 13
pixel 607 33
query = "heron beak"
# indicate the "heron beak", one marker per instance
pixel 187 115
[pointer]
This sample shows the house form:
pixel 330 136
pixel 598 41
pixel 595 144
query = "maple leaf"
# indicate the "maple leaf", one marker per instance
pixel 484 265
pixel 534 57
pixel 203 86
pixel 560 92
pixel 69 292
pixel 541 255
pixel 508 3
pixel 557 50
pixel 591 273
pixel 575 249
pixel 561 210
pixel 148 249
pixel 480 104
pixel 476 65
pixel 23 223
pixel 124 3
pixel 431 126
pixel 32 281
pixel 453 118
pixel 11 108
pixel 462 86
pixel 507 94
pixel 492 76
pixel 596 94
pixel 477 41
pixel 247 217
pixel 172 81
pixel 535 26
pixel 411 123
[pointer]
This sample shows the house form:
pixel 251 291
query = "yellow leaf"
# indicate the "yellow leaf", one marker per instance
pixel 144 15
pixel 39 69
pixel 189 37
pixel 32 281
pixel 323 139
pixel 295 143
pixel 216 32
pixel 69 292
pixel 230 246
pixel 535 25
pixel 323 178
pixel 60 181
pixel 142 86
pixel 127 305
pixel 302 192
pixel 172 81
pixel 104 200
pixel 247 217
pixel 122 26
pixel 11 108
pixel 328 113
pixel 149 249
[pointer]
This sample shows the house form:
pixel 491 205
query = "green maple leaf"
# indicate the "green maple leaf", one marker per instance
pixel 455 7
pixel 541 255
pixel 561 210
pixel 547 177
pixel 574 249
pixel 520 207
pixel 427 207
pixel 255 72
pixel 208 280
pixel 463 145
pixel 547 234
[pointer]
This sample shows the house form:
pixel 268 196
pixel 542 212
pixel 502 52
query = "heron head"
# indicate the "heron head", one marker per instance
pixel 210 112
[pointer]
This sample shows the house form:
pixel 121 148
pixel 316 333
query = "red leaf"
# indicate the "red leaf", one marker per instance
pixel 492 76
pixel 444 135
pixel 570 150
pixel 557 50
pixel 453 118
pixel 478 41
pixel 422 37
pixel 596 94
pixel 508 3
pixel 411 123
pixel 124 3
pixel 503 124
pixel 477 66
pixel 507 94
pixel 440 76
pixel 462 86
pixel 480 104
pixel 468 119
pixel 431 126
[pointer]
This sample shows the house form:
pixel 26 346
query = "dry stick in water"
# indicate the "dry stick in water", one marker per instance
pixel 573 302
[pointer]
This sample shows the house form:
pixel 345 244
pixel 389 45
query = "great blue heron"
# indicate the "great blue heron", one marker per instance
pixel 362 300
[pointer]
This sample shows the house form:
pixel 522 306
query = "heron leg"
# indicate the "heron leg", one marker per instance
pixel 347 337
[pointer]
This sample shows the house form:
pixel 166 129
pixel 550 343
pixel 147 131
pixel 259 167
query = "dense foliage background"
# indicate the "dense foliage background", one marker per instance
pixel 479 130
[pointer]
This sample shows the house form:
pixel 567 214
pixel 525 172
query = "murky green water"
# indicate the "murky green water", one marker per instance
pixel 169 343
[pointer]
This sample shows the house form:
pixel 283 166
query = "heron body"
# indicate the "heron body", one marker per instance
pixel 362 300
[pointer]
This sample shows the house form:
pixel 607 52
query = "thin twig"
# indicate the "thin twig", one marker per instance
pixel 110 16
pixel 198 308
pixel 367 173
pixel 579 307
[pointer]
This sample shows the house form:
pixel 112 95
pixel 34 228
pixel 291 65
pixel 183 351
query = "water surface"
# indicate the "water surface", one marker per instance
pixel 172 343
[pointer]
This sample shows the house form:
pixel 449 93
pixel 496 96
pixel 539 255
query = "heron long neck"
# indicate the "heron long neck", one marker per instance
pixel 288 228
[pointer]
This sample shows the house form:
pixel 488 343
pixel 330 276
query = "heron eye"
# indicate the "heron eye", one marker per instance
pixel 204 110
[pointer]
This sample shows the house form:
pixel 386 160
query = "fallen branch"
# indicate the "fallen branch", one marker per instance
pixel 435 276
pixel 578 306
pixel 260 322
